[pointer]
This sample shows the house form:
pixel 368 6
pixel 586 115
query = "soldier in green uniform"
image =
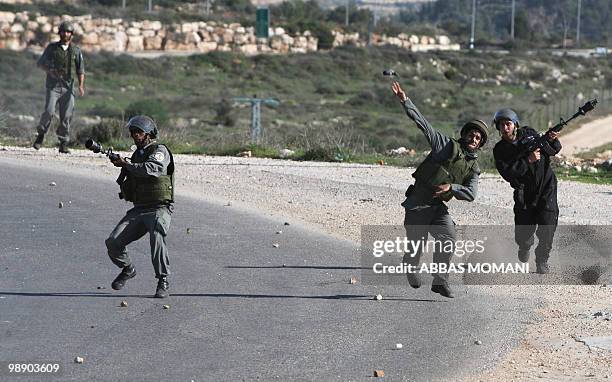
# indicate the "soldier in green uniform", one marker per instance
pixel 148 182
pixel 450 170
pixel 57 61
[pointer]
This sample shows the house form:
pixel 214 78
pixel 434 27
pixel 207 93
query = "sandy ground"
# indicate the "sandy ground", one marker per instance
pixel 339 199
pixel 593 134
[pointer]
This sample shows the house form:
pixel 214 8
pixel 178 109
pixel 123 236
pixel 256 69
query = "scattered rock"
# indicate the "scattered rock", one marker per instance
pixel 245 154
pixel 379 373
pixel 399 346
pixel 79 360
pixel 188 231
pixel 101 287
pixel 379 297
pixel 228 204
pixel 61 205
pixel 286 153
pixel 52 184
pixel 478 342
pixel 353 280
pixel 287 223
pixel 166 307
pixel 123 304
pixel 279 232
pixel 275 245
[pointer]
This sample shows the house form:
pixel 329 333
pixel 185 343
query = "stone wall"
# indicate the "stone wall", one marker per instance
pixel 19 31
pixel 412 42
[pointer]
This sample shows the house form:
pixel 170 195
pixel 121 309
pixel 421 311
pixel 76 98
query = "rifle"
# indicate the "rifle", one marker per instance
pixel 97 148
pixel 121 179
pixel 531 143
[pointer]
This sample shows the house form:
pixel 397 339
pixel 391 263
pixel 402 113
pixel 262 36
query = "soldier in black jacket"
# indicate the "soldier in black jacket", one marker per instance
pixel 535 187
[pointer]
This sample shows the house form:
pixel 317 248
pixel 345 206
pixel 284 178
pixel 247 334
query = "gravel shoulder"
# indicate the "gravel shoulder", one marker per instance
pixel 339 198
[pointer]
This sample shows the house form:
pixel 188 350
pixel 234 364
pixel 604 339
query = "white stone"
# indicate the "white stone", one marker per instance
pixel 443 40
pixel 286 153
pixel 133 32
pixel 7 16
pixel 17 28
pixel 249 49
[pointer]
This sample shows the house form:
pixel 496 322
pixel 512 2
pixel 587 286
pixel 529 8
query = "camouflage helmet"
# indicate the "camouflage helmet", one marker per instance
pixel 508 114
pixel 66 26
pixel 144 123
pixel 476 124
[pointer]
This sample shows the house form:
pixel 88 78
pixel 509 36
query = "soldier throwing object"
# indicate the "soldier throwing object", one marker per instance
pixel 57 61
pixel 148 182
pixel 450 170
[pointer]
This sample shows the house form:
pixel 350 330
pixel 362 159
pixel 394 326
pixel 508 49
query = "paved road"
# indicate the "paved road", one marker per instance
pixel 240 309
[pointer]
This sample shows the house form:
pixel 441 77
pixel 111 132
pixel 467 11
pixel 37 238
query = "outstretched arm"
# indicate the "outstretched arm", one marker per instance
pixel 439 142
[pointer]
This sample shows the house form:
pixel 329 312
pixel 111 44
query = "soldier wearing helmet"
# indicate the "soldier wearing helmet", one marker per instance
pixel 58 61
pixel 535 187
pixel 147 181
pixel 449 171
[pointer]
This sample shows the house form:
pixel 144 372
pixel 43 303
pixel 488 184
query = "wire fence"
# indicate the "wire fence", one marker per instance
pixel 546 116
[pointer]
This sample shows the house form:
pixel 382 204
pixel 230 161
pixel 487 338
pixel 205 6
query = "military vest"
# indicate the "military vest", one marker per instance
pixel 149 189
pixel 430 174
pixel 62 60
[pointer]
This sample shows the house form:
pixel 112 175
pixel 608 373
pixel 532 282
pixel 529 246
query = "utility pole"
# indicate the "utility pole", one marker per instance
pixel 123 4
pixel 578 24
pixel 150 6
pixel 346 15
pixel 256 130
pixel 473 24
pixel 512 22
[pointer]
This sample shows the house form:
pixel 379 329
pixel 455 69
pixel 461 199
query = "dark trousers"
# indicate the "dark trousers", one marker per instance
pixel 539 221
pixel 434 220
pixel 65 99
pixel 134 225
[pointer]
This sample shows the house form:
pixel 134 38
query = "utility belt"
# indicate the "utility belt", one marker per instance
pixel 422 196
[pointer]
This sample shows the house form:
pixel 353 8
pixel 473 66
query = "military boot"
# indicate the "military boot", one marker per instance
pixel 523 255
pixel 162 288
pixel 127 273
pixel 542 268
pixel 39 141
pixel 412 263
pixel 63 148
pixel 443 289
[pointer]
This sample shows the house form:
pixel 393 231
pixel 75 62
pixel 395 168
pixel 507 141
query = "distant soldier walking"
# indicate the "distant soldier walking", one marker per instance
pixel 148 182
pixel 57 61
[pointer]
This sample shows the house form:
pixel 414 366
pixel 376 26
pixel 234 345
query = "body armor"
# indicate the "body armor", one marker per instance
pixel 430 174
pixel 150 189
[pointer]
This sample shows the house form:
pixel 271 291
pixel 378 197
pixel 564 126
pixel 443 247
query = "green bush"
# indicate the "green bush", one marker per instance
pixel 225 115
pixel 106 131
pixel 149 107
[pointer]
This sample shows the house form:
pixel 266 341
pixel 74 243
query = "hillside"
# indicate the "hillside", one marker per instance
pixel 336 100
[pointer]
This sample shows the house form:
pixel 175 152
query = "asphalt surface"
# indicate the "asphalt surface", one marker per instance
pixel 240 308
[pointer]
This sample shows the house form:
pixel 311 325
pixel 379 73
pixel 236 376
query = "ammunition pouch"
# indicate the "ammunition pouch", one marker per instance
pixel 127 190
pixel 151 189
